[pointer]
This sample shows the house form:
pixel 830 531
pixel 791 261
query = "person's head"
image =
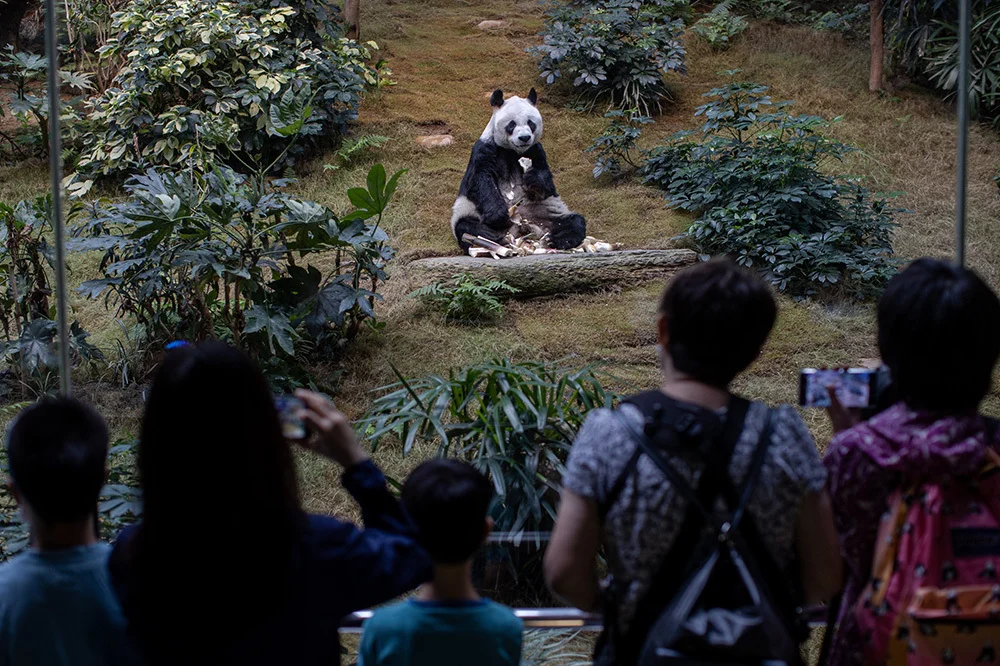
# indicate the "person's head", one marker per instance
pixel 714 319
pixel 448 501
pixel 211 439
pixel 57 451
pixel 939 334
pixel 220 499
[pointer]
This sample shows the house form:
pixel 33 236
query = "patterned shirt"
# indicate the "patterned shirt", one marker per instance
pixel 870 461
pixel 642 523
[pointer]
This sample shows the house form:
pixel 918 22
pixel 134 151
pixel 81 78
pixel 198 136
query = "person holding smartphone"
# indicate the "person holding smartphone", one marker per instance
pixel 225 566
pixel 939 336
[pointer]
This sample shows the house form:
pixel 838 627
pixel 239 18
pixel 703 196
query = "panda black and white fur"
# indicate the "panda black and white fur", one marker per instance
pixel 499 176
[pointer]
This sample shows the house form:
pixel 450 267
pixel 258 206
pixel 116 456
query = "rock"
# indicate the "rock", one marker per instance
pixel 491 25
pixel 434 140
pixel 554 274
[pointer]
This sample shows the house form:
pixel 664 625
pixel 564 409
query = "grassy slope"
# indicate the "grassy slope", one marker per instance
pixel 445 69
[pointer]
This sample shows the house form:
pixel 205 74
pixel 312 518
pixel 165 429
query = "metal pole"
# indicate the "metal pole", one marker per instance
pixel 55 171
pixel 964 20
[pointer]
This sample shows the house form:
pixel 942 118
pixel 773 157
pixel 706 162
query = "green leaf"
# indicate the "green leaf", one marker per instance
pixel 274 325
pixel 376 185
pixel 35 346
pixel 390 187
pixel 361 199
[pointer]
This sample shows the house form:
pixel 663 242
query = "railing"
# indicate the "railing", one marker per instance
pixel 558 619
pixel 533 618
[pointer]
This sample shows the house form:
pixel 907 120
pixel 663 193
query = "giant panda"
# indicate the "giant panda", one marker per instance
pixel 508 167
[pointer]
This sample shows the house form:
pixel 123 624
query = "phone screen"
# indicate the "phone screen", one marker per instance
pixel 288 407
pixel 854 387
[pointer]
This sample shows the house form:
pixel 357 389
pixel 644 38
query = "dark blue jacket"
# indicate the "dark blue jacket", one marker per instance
pixel 339 569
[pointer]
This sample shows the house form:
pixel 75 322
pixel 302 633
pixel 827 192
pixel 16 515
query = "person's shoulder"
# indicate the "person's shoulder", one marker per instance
pixel 391 616
pixel 792 446
pixel 13 575
pixel 605 422
pixel 503 618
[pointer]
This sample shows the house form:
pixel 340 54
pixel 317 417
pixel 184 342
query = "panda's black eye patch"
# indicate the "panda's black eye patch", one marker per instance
pixel 510 127
pixel 531 124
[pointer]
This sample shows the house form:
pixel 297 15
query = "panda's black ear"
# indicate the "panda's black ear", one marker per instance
pixel 532 97
pixel 496 99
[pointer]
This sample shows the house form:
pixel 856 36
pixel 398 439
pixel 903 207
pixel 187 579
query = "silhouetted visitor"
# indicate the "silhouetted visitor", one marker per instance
pixel 225 567
pixel 56 605
pixel 447 623
pixel 714 318
pixel 939 335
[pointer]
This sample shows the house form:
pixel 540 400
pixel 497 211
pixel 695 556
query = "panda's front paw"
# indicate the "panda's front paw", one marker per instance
pixel 498 224
pixel 569 232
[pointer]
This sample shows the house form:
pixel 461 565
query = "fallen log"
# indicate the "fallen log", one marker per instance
pixel 553 274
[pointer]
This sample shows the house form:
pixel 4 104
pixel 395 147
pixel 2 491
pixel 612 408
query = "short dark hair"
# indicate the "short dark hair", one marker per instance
pixel 57 450
pixel 449 501
pixel 939 334
pixel 718 318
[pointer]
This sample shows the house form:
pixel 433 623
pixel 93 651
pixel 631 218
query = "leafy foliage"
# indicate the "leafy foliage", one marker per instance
pixel 467 299
pixel 513 421
pixel 782 11
pixel 32 111
pixel 355 147
pixel 758 178
pixel 851 21
pixel 941 55
pixel 922 38
pixel 615 148
pixel 719 26
pixel 199 75
pixel 195 256
pixel 89 26
pixel 26 311
pixel 616 50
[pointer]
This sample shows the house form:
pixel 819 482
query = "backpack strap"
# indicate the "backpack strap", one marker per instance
pixel 666 579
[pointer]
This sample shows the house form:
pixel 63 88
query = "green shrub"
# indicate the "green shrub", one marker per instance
pixel 201 75
pixel 616 50
pixel 467 299
pixel 781 11
pixel 719 26
pixel 941 54
pixel 850 22
pixel 758 177
pixel 615 148
pixel 26 72
pixel 922 40
pixel 219 255
pixel 27 310
pixel 514 421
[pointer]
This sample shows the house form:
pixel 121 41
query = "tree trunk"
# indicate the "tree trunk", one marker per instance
pixel 877 41
pixel 554 274
pixel 352 17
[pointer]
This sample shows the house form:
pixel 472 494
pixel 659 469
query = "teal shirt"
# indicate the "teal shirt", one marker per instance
pixel 424 633
pixel 57 609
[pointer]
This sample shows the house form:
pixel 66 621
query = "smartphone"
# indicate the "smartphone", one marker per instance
pixel 855 387
pixel 292 427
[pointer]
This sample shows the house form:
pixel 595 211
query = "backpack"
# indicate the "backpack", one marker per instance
pixel 730 604
pixel 934 597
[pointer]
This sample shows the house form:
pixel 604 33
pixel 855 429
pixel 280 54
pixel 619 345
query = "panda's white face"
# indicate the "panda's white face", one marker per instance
pixel 516 123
